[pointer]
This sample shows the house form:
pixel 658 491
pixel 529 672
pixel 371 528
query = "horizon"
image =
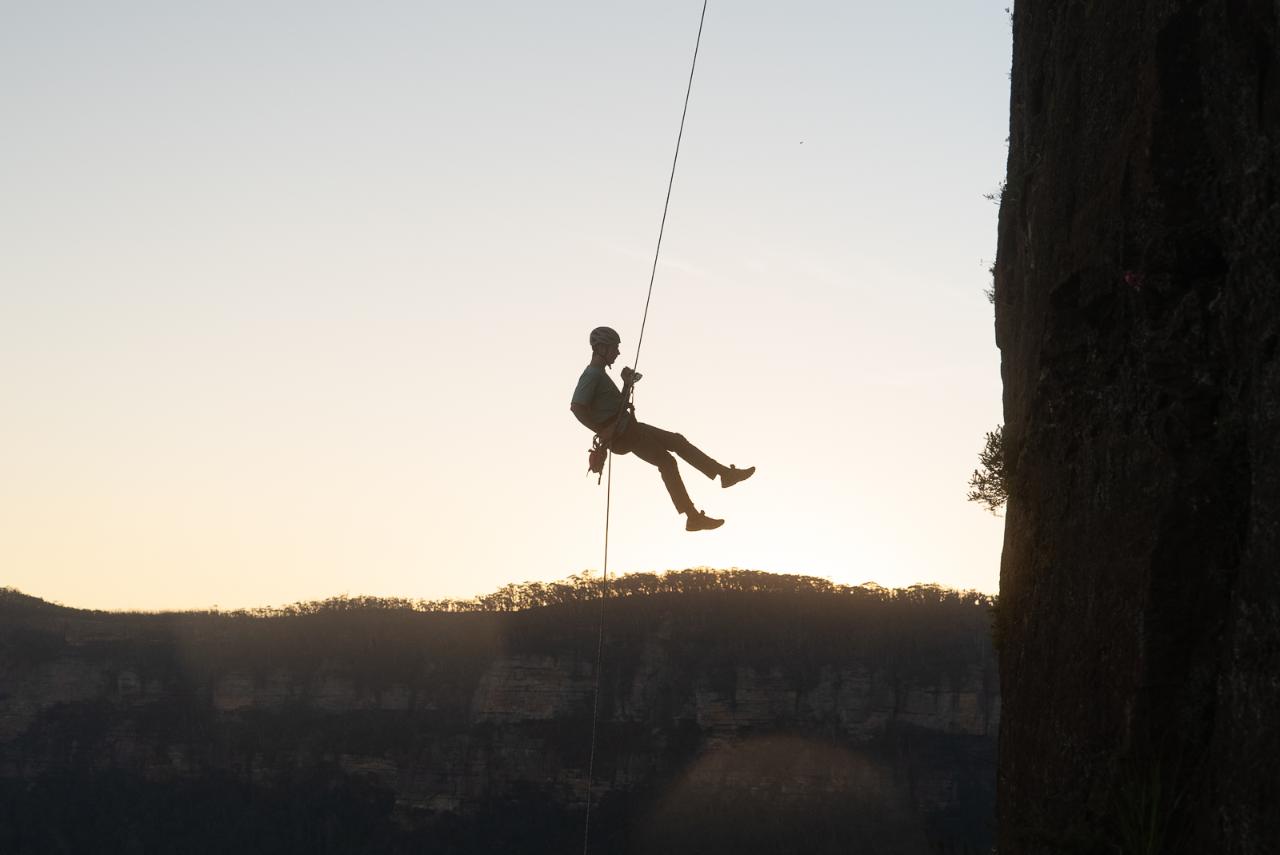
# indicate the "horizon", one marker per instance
pixel 426 605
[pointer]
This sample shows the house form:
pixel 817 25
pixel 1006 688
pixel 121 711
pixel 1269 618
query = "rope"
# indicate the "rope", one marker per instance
pixel 635 366
pixel 595 701
pixel 604 587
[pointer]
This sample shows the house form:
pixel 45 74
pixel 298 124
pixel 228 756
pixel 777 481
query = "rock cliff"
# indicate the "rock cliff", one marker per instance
pixel 1137 302
pixel 733 722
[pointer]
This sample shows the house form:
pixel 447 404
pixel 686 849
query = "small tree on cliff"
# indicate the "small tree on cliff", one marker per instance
pixel 986 484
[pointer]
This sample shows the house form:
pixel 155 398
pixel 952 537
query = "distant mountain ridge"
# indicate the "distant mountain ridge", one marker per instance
pixel 736 714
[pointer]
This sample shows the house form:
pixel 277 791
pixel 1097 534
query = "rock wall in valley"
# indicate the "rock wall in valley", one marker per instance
pixel 735 720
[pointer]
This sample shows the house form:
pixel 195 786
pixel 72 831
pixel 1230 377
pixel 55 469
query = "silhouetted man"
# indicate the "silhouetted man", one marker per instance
pixel 600 405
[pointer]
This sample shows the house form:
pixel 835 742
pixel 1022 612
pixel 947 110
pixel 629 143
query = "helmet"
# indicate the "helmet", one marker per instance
pixel 604 337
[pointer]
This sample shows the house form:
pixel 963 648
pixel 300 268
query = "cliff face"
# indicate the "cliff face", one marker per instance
pixel 1138 312
pixel 718 716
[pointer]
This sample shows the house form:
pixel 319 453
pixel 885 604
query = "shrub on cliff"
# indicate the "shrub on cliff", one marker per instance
pixel 987 484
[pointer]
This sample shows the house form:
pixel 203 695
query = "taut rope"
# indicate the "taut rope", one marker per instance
pixel 604 588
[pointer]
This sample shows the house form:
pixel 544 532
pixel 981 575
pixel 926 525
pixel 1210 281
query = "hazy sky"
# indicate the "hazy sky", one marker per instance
pixel 293 296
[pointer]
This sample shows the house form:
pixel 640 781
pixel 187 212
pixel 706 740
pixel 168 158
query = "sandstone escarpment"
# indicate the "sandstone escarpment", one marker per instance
pixel 1137 312
pixel 430 725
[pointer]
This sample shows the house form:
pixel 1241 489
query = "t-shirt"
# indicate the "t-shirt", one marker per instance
pixel 599 394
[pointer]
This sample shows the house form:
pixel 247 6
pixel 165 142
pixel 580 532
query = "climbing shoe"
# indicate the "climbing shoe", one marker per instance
pixel 733 475
pixel 699 521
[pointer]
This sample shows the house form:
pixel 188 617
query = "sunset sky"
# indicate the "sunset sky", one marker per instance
pixel 293 296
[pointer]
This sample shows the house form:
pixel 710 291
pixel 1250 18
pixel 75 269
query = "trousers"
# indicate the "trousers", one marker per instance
pixel 655 445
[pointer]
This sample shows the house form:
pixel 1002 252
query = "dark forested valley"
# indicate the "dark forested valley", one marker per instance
pixel 738 712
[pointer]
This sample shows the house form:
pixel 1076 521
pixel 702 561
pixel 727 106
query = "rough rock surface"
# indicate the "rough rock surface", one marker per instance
pixel 704 702
pixel 1138 313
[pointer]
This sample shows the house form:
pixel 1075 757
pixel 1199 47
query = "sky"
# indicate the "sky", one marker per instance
pixel 293 296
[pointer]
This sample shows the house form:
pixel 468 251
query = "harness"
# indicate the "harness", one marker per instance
pixel 598 454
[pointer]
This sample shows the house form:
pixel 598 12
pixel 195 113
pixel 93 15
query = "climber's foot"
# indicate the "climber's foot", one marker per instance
pixel 699 521
pixel 733 475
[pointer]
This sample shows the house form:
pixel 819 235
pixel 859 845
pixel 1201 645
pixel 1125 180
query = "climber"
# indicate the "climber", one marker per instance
pixel 602 407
